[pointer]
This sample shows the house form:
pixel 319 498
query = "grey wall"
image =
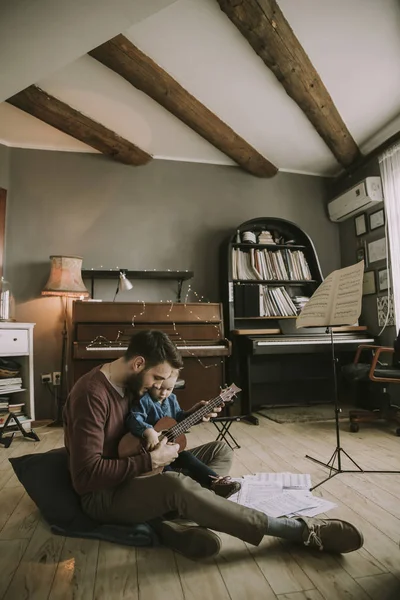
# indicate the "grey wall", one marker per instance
pixel 349 243
pixel 167 215
pixel 4 166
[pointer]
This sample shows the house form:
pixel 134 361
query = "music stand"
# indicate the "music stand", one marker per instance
pixel 339 294
pixel 337 454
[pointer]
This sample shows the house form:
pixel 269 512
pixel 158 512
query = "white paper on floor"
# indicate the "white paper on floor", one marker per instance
pixel 280 494
pixel 320 506
pixel 288 481
pixel 255 492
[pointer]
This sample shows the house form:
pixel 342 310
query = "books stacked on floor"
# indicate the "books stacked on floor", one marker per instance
pixel 263 301
pixel 10 384
pixel 7 407
pixel 275 265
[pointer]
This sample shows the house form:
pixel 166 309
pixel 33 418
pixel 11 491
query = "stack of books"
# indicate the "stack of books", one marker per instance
pixel 6 408
pixel 3 409
pixel 10 384
pixel 265 237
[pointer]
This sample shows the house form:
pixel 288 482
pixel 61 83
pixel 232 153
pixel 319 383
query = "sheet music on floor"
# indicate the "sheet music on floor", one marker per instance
pixel 288 481
pixel 320 505
pixel 280 494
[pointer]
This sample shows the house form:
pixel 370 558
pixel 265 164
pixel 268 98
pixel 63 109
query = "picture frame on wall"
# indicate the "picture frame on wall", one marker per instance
pixel 383 282
pixel 377 250
pixel 369 283
pixel 360 224
pixel 385 306
pixel 377 219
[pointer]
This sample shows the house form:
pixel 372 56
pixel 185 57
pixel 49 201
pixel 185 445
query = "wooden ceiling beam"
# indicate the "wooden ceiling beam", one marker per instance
pixel 123 57
pixel 264 26
pixel 56 113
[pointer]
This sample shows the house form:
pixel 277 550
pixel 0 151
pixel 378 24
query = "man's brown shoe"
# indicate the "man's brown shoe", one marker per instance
pixel 331 535
pixel 224 486
pixel 192 541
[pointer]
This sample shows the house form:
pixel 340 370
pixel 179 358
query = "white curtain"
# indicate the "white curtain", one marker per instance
pixel 390 172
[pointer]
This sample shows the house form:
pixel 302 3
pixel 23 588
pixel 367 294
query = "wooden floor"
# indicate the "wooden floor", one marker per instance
pixel 36 565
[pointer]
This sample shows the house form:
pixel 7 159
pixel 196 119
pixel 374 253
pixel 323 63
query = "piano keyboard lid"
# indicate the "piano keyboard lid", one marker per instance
pixel 303 335
pixel 288 327
pixel 98 345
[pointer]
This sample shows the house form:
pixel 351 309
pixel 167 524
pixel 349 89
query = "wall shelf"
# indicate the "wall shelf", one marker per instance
pixel 179 276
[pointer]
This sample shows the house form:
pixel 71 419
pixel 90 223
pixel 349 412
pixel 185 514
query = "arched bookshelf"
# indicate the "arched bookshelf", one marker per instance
pixel 266 281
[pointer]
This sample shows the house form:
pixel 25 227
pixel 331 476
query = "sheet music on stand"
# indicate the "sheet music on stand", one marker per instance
pixel 337 301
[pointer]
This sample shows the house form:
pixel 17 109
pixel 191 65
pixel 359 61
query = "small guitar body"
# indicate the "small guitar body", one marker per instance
pixel 130 445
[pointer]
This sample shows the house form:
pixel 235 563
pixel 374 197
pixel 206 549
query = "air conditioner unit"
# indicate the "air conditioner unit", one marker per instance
pixel 365 194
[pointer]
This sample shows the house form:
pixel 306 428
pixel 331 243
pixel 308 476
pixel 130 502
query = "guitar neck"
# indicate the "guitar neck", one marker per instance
pixel 194 418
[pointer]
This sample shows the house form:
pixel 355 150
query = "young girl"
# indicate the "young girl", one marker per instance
pixel 159 403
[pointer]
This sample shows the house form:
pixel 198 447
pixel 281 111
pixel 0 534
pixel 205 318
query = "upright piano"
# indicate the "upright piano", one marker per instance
pixel 282 367
pixel 101 333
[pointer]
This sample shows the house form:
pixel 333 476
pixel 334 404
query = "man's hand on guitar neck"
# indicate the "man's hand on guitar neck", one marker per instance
pixel 164 454
pixel 210 415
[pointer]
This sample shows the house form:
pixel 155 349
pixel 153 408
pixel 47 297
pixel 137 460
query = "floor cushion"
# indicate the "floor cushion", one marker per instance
pixel 46 478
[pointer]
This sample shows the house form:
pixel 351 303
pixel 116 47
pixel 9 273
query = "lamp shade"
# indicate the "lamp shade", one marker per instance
pixel 124 283
pixel 65 278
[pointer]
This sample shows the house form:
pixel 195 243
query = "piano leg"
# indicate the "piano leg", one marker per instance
pixel 246 393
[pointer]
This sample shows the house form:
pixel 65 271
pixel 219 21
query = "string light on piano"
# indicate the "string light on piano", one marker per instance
pixel 194 314
pixel 140 314
pixel 103 341
pixel 210 322
pixel 179 337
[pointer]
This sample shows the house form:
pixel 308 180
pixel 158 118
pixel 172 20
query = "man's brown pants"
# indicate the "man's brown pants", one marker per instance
pixel 141 499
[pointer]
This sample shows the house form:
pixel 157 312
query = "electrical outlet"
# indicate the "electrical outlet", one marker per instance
pixel 46 377
pixel 56 377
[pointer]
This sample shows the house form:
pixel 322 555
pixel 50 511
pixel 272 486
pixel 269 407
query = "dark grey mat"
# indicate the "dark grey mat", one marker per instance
pixel 304 414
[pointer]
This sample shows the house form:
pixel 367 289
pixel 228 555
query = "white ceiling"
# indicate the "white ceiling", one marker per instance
pixel 354 46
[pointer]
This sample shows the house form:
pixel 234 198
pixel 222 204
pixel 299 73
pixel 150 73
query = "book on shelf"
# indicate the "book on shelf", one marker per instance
pixel 266 301
pixel 262 236
pixel 265 237
pixel 10 384
pixel 16 408
pixel 4 417
pixel 7 407
pixel 264 264
pixel 5 381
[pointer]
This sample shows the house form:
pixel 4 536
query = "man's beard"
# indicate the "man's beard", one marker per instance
pixel 134 384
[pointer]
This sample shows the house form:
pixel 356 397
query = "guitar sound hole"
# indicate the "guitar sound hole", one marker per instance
pixel 169 436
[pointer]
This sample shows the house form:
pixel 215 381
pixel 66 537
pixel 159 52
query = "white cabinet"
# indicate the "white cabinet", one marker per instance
pixel 16 343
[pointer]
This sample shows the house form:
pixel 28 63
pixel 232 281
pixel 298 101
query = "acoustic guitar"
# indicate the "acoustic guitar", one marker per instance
pixel 130 445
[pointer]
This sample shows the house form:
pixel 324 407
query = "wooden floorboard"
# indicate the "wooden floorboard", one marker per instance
pixel 35 565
